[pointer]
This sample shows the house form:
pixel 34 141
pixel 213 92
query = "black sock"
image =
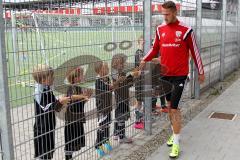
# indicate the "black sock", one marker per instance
pixel 100 135
pixel 68 157
pixel 116 129
pixel 121 128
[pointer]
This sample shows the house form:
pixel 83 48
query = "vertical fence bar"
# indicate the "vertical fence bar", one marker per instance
pixel 223 34
pixel 5 119
pixel 192 84
pixel 147 45
pixel 15 46
pixel 133 17
pixel 238 31
pixel 198 34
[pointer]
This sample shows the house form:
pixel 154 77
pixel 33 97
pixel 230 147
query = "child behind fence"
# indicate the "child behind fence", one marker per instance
pixel 122 111
pixel 75 117
pixel 103 88
pixel 45 104
pixel 139 87
pixel 104 107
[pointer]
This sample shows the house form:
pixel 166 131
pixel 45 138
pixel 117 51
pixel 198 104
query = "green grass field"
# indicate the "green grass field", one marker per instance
pixel 59 46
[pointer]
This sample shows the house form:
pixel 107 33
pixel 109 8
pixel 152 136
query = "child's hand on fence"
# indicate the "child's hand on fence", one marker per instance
pixel 115 84
pixel 121 79
pixel 136 72
pixel 79 97
pixel 135 69
pixel 64 100
pixel 142 65
pixel 88 93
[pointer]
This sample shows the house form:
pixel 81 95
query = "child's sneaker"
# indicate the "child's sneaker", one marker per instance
pixel 155 112
pixel 125 140
pixel 139 125
pixel 107 157
pixel 107 147
pixel 100 152
pixel 158 106
pixel 139 115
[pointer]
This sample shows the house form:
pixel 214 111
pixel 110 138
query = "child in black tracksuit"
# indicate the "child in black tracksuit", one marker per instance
pixel 74 116
pixel 45 104
pixel 156 75
pixel 103 90
pixel 139 87
pixel 122 111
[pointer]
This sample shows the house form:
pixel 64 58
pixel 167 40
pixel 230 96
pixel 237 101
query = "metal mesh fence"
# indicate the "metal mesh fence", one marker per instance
pixel 89 50
pixel 1 153
pixel 66 39
pixel 231 38
pixel 219 35
pixel 211 44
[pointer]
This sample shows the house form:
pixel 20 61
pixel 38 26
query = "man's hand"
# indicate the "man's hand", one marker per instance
pixel 156 60
pixel 142 65
pixel 64 100
pixel 201 78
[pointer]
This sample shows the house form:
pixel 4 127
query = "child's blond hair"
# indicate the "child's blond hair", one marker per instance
pixel 73 74
pixel 98 66
pixel 41 72
pixel 118 59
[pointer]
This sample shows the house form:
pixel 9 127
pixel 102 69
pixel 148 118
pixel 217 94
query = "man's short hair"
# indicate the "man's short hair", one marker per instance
pixel 169 5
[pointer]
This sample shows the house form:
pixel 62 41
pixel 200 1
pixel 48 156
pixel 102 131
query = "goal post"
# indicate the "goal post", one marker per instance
pixel 74 22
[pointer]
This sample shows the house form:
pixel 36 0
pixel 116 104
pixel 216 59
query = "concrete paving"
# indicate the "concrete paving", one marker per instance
pixel 211 139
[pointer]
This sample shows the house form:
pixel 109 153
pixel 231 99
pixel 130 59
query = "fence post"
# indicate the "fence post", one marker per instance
pixel 5 119
pixel 198 38
pixel 238 32
pixel 148 79
pixel 223 33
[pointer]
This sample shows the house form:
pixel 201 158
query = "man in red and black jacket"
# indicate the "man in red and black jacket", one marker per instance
pixel 173 40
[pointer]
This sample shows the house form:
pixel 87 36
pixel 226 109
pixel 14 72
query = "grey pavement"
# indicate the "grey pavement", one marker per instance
pixel 211 139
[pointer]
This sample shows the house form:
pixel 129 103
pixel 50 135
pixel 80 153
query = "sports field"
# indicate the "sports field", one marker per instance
pixel 55 47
